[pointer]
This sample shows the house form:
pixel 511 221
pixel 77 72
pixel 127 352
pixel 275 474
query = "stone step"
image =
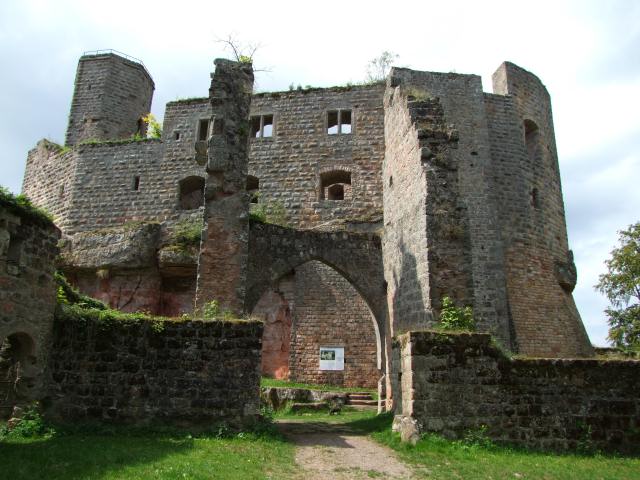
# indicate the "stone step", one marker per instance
pixel 359 396
pixel 371 403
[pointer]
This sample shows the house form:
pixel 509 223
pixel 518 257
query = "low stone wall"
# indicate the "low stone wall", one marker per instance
pixel 182 373
pixel 279 397
pixel 452 383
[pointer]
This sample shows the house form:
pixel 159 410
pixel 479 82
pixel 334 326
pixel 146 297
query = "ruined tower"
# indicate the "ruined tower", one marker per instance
pixel 112 93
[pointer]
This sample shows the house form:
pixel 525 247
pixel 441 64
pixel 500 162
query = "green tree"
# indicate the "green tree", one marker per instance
pixel 378 68
pixel 621 285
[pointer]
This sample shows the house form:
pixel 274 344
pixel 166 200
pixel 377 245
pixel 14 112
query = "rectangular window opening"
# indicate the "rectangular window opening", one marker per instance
pixel 332 122
pixel 345 121
pixel 267 125
pixel 262 126
pixel 136 183
pixel 339 122
pixel 176 135
pixel 203 130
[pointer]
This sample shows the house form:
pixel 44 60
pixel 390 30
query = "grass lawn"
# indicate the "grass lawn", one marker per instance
pixel 131 454
pixel 146 456
pixel 435 458
pixel 358 419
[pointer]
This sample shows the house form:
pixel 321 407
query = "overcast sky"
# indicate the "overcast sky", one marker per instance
pixel 587 53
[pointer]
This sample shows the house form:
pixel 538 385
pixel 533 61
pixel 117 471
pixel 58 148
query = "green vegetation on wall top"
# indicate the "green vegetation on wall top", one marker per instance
pixel 21 205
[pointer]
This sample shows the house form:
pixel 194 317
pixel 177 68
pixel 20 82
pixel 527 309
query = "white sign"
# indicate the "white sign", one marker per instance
pixel 331 358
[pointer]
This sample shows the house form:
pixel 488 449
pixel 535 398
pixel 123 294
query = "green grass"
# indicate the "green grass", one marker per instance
pixel 271 382
pixel 358 419
pixel 436 458
pixel 146 456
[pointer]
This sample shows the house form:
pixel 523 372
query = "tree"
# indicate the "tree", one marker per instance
pixel 378 68
pixel 242 52
pixel 621 285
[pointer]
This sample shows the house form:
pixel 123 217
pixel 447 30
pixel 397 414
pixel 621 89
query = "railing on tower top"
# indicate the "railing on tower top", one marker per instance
pixel 120 54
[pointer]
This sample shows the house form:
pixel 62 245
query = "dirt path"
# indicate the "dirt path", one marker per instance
pixel 326 451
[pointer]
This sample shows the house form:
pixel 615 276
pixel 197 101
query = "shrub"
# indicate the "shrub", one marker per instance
pixel 456 318
pixel 30 425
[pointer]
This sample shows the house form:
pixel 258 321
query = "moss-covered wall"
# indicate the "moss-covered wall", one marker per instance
pixel 128 370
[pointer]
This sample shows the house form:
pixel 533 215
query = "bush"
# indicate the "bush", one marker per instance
pixel 30 425
pixel 456 318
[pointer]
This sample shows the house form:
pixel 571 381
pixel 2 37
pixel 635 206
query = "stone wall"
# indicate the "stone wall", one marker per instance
pixel 48 180
pixel 27 300
pixel 452 383
pixel 404 244
pixel 446 145
pixel 330 313
pixel 289 164
pixel 183 373
pixel 111 95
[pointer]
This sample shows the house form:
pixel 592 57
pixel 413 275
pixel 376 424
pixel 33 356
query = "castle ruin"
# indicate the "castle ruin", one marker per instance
pixel 387 198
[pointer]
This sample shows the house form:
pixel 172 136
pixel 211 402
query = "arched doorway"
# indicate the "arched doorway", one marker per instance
pixel 17 376
pixel 314 308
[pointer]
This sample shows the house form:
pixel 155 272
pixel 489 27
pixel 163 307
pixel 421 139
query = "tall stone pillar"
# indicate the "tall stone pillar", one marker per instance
pixel 222 264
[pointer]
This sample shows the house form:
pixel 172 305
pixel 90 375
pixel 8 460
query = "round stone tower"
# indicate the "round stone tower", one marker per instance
pixel 540 272
pixel 112 93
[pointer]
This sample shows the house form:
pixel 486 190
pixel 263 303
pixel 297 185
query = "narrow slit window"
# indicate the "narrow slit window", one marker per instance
pixel 136 183
pixel 339 122
pixel 203 130
pixel 176 135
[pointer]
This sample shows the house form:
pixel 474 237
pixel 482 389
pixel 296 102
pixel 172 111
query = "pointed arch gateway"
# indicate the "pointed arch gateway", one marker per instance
pixel 331 286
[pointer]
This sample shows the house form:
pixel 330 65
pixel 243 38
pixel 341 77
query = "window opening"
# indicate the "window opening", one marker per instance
pixel 191 193
pixel 531 139
pixel 203 129
pixel 339 122
pixel 535 199
pixel 136 183
pixel 177 135
pixel 335 185
pixel 335 191
pixel 262 126
pixel 253 187
pixel 15 250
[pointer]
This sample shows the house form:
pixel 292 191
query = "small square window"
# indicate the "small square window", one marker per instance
pixel 338 122
pixel 262 126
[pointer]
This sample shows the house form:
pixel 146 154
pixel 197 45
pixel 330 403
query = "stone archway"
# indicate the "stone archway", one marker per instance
pixel 356 263
pixel 311 308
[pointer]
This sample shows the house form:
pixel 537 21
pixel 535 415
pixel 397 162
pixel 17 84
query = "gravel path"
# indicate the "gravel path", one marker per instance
pixel 327 451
